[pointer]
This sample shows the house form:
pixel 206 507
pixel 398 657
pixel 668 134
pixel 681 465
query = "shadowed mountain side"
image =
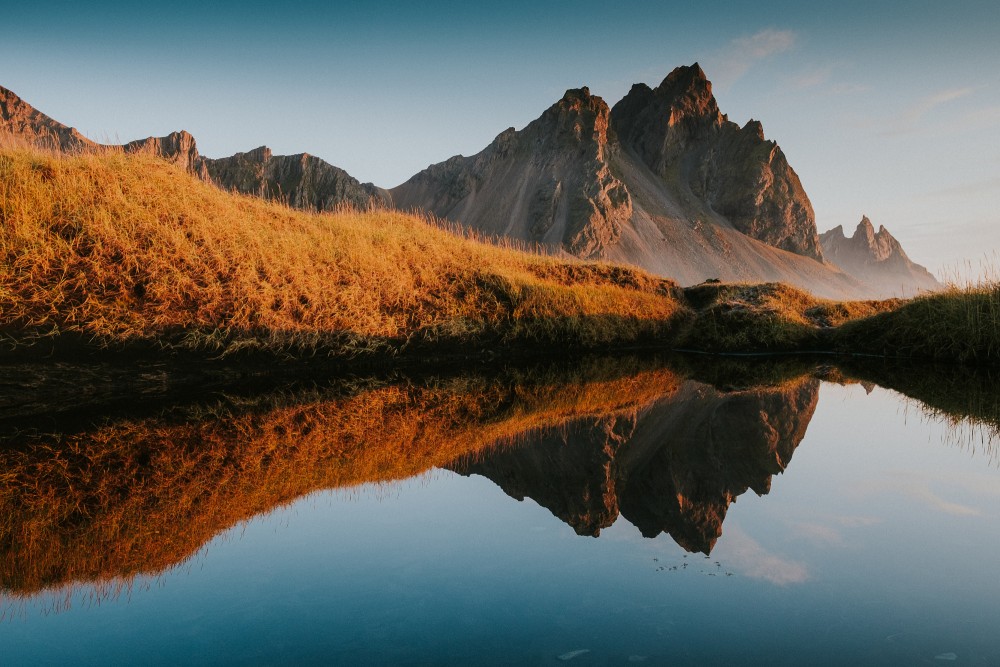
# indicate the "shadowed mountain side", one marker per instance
pixel 674 466
pixel 677 130
pixel 302 181
pixel 140 496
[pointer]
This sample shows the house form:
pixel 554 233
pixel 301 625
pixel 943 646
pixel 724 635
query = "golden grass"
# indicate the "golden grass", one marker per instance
pixel 122 250
pixel 958 324
pixel 126 248
pixel 767 317
pixel 140 496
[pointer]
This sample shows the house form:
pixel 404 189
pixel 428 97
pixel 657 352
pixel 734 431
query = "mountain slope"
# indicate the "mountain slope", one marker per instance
pixel 877 258
pixel 550 183
pixel 22 121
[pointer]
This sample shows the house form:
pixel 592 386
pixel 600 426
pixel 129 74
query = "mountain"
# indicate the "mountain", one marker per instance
pixel 550 183
pixel 303 181
pixel 673 466
pixel 22 121
pixel 679 133
pixel 878 259
pixel 662 180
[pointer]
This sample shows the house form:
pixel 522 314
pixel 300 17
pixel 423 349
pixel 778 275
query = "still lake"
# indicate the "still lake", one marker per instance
pixel 602 513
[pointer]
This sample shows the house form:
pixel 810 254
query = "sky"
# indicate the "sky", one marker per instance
pixel 889 109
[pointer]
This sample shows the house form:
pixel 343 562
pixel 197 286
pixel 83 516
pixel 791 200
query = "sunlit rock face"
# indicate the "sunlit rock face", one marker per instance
pixel 673 466
pixel 20 120
pixel 550 183
pixel 878 259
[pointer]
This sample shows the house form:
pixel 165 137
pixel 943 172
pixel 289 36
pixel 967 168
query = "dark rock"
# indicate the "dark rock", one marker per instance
pixel 678 131
pixel 302 181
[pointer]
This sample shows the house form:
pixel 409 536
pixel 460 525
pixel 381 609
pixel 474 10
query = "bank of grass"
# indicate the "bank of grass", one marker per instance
pixel 122 250
pixel 767 317
pixel 961 323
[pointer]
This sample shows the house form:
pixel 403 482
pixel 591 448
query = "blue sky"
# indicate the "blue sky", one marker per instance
pixel 885 109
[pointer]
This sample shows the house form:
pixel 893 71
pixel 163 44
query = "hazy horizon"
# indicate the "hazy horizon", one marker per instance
pixel 881 112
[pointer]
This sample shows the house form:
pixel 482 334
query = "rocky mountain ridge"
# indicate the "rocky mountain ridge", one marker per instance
pixel 303 180
pixel 662 180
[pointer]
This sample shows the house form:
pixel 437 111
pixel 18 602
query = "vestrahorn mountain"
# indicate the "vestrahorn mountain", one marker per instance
pixel 663 180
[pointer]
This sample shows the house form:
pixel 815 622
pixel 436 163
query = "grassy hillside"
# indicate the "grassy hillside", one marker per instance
pixel 128 249
pixel 959 324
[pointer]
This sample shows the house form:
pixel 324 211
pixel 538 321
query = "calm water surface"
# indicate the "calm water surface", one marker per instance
pixel 877 544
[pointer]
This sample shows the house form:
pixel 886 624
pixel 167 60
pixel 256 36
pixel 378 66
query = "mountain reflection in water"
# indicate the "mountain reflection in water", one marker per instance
pixel 673 465
pixel 667 444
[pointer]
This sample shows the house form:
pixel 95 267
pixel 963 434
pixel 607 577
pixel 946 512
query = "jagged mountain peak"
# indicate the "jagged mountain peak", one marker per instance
pixel 578 117
pixel 880 245
pixel 689 93
pixel 877 257
pixel 680 134
pixel 756 128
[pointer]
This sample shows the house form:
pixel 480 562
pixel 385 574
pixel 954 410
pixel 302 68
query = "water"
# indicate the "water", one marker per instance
pixel 875 545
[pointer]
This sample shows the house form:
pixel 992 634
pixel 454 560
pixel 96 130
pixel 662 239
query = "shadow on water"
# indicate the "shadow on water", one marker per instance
pixel 108 473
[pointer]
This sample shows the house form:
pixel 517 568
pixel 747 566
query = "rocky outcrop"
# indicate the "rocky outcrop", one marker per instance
pixel 20 120
pixel 550 183
pixel 878 259
pixel 677 130
pixel 673 467
pixel 177 148
pixel 302 181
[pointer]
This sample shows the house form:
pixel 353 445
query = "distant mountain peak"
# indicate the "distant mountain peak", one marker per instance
pixel 876 257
